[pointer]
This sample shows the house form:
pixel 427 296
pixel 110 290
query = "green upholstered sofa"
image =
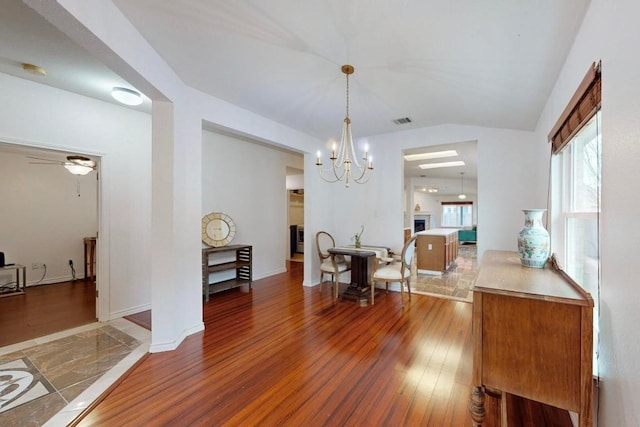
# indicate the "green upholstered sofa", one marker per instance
pixel 467 235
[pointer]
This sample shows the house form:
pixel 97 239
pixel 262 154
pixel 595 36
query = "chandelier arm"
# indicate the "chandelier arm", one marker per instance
pixel 363 173
pixel 321 174
pixel 338 171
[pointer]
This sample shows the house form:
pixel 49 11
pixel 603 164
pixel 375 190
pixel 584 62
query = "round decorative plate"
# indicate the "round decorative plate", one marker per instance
pixel 218 229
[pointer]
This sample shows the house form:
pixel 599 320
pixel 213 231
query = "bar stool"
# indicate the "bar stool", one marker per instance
pixel 90 250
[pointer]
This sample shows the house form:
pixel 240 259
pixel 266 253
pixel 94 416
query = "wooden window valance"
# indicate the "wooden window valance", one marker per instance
pixel 457 203
pixel 583 105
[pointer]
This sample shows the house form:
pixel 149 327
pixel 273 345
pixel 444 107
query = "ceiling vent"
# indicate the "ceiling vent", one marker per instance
pixel 402 121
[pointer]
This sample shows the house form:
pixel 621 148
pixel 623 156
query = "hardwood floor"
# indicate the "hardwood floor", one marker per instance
pixel 46 309
pixel 141 319
pixel 288 355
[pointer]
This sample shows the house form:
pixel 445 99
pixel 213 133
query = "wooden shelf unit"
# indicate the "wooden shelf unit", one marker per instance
pixel 242 264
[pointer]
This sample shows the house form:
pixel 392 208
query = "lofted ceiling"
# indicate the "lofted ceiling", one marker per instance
pixel 486 63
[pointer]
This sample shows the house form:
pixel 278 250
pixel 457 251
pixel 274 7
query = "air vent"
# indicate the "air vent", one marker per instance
pixel 402 121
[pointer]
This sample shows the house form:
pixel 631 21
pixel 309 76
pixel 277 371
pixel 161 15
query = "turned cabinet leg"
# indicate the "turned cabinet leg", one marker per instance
pixel 477 406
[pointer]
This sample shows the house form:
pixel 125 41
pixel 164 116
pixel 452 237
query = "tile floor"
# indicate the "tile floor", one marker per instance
pixel 50 380
pixel 454 284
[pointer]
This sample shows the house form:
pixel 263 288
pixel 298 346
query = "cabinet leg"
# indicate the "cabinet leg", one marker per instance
pixel 476 407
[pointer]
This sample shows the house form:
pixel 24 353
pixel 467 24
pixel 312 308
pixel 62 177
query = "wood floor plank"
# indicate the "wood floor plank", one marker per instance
pixel 284 355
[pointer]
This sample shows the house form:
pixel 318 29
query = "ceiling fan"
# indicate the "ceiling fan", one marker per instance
pixel 77 165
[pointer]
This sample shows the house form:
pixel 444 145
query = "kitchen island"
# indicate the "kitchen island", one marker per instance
pixel 436 250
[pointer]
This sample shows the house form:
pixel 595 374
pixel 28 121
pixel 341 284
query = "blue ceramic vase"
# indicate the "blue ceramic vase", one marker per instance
pixel 533 240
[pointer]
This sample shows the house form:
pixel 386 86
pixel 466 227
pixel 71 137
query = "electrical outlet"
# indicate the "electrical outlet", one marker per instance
pixel 71 262
pixel 37 265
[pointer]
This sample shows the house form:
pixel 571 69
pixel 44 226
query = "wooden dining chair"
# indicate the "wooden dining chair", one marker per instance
pixel 330 264
pixel 397 272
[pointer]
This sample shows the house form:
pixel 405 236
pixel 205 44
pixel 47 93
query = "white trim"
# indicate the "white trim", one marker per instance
pixel 172 345
pixel 103 278
pixel 48 146
pixel 129 311
pixel 269 273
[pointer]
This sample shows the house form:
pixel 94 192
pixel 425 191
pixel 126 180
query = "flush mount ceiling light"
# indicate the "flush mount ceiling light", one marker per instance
pixel 126 96
pixel 432 155
pixel 441 165
pixel 462 196
pixel 344 163
pixel 34 69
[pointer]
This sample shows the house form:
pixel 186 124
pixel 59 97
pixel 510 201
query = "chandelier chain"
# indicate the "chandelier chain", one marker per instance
pixel 347 96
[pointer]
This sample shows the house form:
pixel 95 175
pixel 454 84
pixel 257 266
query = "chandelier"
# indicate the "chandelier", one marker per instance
pixel 462 196
pixel 344 163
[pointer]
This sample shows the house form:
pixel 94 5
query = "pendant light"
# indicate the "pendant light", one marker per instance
pixel 344 163
pixel 462 196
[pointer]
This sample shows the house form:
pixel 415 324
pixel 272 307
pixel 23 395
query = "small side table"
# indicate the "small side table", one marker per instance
pixel 90 252
pixel 19 283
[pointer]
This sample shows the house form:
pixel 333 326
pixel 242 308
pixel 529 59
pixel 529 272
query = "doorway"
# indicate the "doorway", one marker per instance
pixel 49 212
pixel 428 189
pixel 295 214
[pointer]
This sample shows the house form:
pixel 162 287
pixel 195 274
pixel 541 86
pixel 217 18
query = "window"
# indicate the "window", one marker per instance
pixel 457 214
pixel 575 191
pixel 581 205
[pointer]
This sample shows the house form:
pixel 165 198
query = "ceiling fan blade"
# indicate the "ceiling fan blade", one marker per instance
pixel 49 161
pixel 43 163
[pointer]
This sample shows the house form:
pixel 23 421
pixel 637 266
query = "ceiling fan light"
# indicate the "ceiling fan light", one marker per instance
pixel 77 169
pixel 126 96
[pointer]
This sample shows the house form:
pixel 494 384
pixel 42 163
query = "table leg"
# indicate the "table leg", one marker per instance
pixel 359 287
pixel 477 406
pixel 85 258
pixel 24 279
pixel 92 256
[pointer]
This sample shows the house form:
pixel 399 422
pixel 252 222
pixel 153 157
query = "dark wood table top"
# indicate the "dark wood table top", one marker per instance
pixel 351 252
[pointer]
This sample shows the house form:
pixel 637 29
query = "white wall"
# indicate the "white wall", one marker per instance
pixel 247 181
pixel 51 118
pixel 610 32
pixel 509 180
pixel 46 213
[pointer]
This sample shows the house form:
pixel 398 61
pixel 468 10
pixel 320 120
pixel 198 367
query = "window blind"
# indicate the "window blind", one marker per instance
pixel 583 105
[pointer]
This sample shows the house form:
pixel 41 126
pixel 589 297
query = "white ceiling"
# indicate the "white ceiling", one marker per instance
pixel 485 63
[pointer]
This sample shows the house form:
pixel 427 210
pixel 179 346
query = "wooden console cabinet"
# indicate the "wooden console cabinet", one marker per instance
pixel 532 336
pixel 436 250
pixel 226 258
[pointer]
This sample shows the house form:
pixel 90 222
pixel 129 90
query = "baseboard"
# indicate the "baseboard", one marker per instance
pixel 129 311
pixel 172 345
pixel 52 280
pixel 270 273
